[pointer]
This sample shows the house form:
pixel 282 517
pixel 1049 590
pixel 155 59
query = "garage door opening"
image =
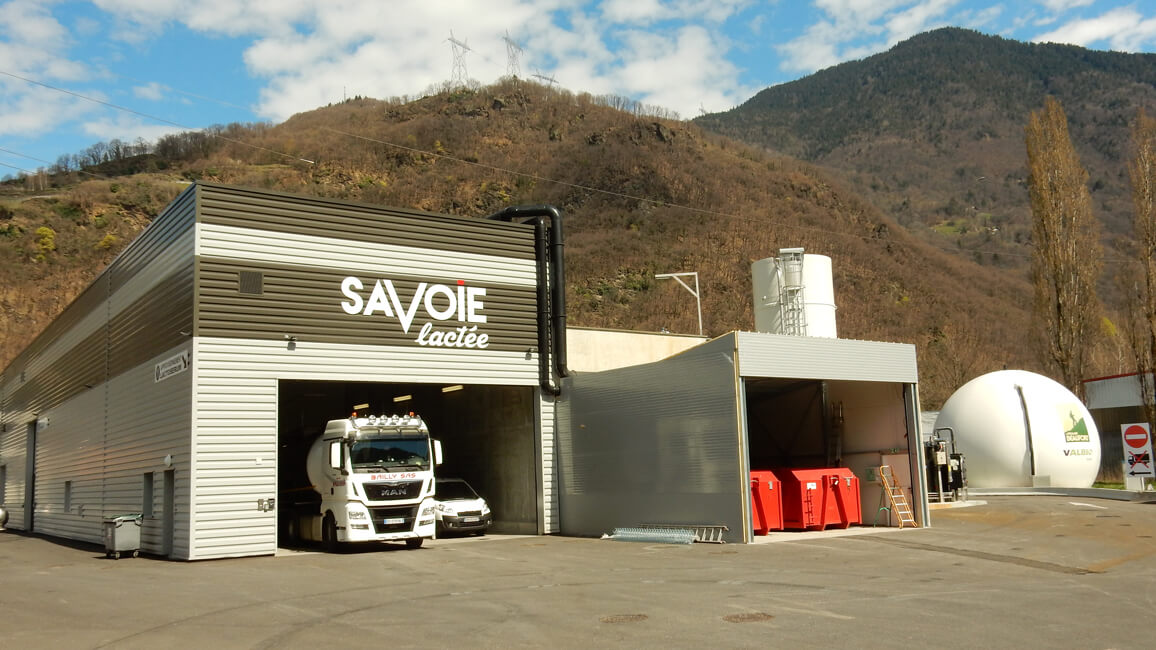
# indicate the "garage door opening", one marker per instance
pixel 818 424
pixel 488 436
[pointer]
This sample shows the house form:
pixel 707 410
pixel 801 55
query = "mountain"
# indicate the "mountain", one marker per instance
pixel 641 195
pixel 932 133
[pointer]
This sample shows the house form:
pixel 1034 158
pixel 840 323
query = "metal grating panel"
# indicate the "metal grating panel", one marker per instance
pixel 251 282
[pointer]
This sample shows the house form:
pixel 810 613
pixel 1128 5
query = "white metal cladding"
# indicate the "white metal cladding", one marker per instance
pixel 653 444
pixel 379 259
pixel 102 442
pixel 803 357
pixel 70 448
pixel 13 446
pixel 235 419
pixel 1113 392
pixel 548 479
pixel 146 421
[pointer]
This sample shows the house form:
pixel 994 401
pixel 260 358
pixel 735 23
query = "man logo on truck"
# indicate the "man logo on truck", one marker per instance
pixel 441 303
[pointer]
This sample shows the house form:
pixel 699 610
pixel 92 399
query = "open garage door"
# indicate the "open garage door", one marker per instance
pixel 488 435
pixel 809 424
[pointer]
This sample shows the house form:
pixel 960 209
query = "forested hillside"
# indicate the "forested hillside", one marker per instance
pixel 642 195
pixel 932 133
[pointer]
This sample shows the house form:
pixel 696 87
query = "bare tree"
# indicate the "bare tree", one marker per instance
pixel 1142 303
pixel 1066 258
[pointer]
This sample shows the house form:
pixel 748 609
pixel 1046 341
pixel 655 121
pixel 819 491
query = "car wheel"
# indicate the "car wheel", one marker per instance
pixel 414 542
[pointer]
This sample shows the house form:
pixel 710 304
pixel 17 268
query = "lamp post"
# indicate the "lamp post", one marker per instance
pixel 677 277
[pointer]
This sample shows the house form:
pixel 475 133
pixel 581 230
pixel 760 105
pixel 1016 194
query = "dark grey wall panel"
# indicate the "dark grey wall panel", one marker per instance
pixel 287 213
pixel 81 368
pixel 305 302
pixel 161 234
pixel 152 323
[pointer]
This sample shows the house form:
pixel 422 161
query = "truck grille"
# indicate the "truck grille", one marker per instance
pixel 393 519
pixel 392 490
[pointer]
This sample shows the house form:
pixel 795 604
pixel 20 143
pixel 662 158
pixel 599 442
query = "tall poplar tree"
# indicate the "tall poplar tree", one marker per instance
pixel 1066 257
pixel 1142 170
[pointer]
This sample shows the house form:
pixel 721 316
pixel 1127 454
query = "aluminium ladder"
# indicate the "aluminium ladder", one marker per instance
pixel 896 497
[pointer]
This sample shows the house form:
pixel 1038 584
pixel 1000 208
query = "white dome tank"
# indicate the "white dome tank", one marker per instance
pixel 818 293
pixel 994 417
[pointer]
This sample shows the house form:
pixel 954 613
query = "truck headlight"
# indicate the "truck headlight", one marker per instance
pixel 429 510
pixel 356 513
pixel 444 509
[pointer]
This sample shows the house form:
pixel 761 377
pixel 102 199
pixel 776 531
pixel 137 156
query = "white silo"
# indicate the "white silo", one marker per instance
pixel 1020 429
pixel 794 294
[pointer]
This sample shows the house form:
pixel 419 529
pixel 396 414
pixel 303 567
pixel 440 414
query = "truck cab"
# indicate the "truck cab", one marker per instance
pixel 375 479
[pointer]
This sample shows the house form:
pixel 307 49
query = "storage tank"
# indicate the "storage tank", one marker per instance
pixel 1020 429
pixel 794 294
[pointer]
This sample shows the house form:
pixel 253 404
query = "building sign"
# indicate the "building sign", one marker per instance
pixel 171 366
pixel 456 310
pixel 1137 450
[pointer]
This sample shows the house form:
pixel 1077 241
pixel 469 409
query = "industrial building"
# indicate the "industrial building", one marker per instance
pixel 188 380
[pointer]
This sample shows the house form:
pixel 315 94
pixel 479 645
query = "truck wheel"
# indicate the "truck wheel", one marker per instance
pixel 414 542
pixel 329 533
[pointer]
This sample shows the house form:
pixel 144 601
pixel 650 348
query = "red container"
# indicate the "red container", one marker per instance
pixel 766 502
pixel 814 499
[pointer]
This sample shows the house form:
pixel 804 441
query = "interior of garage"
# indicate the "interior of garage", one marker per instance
pixel 811 424
pixel 488 436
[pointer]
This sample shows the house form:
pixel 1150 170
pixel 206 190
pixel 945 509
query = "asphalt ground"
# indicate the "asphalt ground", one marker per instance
pixel 1024 571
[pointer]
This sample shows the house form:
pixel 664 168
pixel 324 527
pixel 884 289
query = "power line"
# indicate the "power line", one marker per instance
pixel 665 204
pixel 656 202
pixel 150 117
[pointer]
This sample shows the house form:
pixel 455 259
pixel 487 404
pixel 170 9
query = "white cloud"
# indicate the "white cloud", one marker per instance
pixel 29 111
pixel 916 19
pixel 126 128
pixel 313 52
pixel 1123 29
pixel 1060 6
pixel 629 11
pixel 33 46
pixel 153 91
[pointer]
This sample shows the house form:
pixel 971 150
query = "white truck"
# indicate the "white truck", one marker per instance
pixel 375 479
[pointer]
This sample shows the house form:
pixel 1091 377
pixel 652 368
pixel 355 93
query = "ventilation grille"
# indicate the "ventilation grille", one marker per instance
pixel 252 283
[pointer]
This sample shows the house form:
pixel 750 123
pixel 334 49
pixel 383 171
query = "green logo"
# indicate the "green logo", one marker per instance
pixel 1078 432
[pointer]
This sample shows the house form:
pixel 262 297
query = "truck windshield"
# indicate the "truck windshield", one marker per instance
pixel 389 454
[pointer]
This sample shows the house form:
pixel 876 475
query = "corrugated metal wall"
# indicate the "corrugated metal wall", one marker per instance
pixel 267 266
pixel 659 443
pixel 271 266
pixel 803 357
pixel 89 380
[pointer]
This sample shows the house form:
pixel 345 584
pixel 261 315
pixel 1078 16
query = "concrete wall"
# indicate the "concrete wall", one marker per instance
pixel 590 350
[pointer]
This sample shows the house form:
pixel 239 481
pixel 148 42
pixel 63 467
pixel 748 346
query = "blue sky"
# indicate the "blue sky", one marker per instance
pixel 75 73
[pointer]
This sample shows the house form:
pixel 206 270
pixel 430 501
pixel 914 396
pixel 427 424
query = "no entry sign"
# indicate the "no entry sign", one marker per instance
pixel 1137 450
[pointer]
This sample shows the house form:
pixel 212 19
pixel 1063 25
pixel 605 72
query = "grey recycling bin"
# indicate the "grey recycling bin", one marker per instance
pixel 122 535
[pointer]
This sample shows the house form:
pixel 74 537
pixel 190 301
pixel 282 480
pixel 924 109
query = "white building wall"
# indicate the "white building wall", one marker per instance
pixel 235 420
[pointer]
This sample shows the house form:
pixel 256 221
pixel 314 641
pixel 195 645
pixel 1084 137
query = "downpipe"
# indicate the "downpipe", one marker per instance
pixel 551 290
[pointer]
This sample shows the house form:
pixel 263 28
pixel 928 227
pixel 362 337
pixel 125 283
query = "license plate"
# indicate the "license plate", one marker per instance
pixel 471 520
pixel 393 520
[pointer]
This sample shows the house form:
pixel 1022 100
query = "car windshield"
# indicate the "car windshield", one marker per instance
pixel 449 490
pixel 389 454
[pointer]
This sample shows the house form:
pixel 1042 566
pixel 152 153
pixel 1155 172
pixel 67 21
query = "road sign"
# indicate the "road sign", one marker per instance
pixel 1137 450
